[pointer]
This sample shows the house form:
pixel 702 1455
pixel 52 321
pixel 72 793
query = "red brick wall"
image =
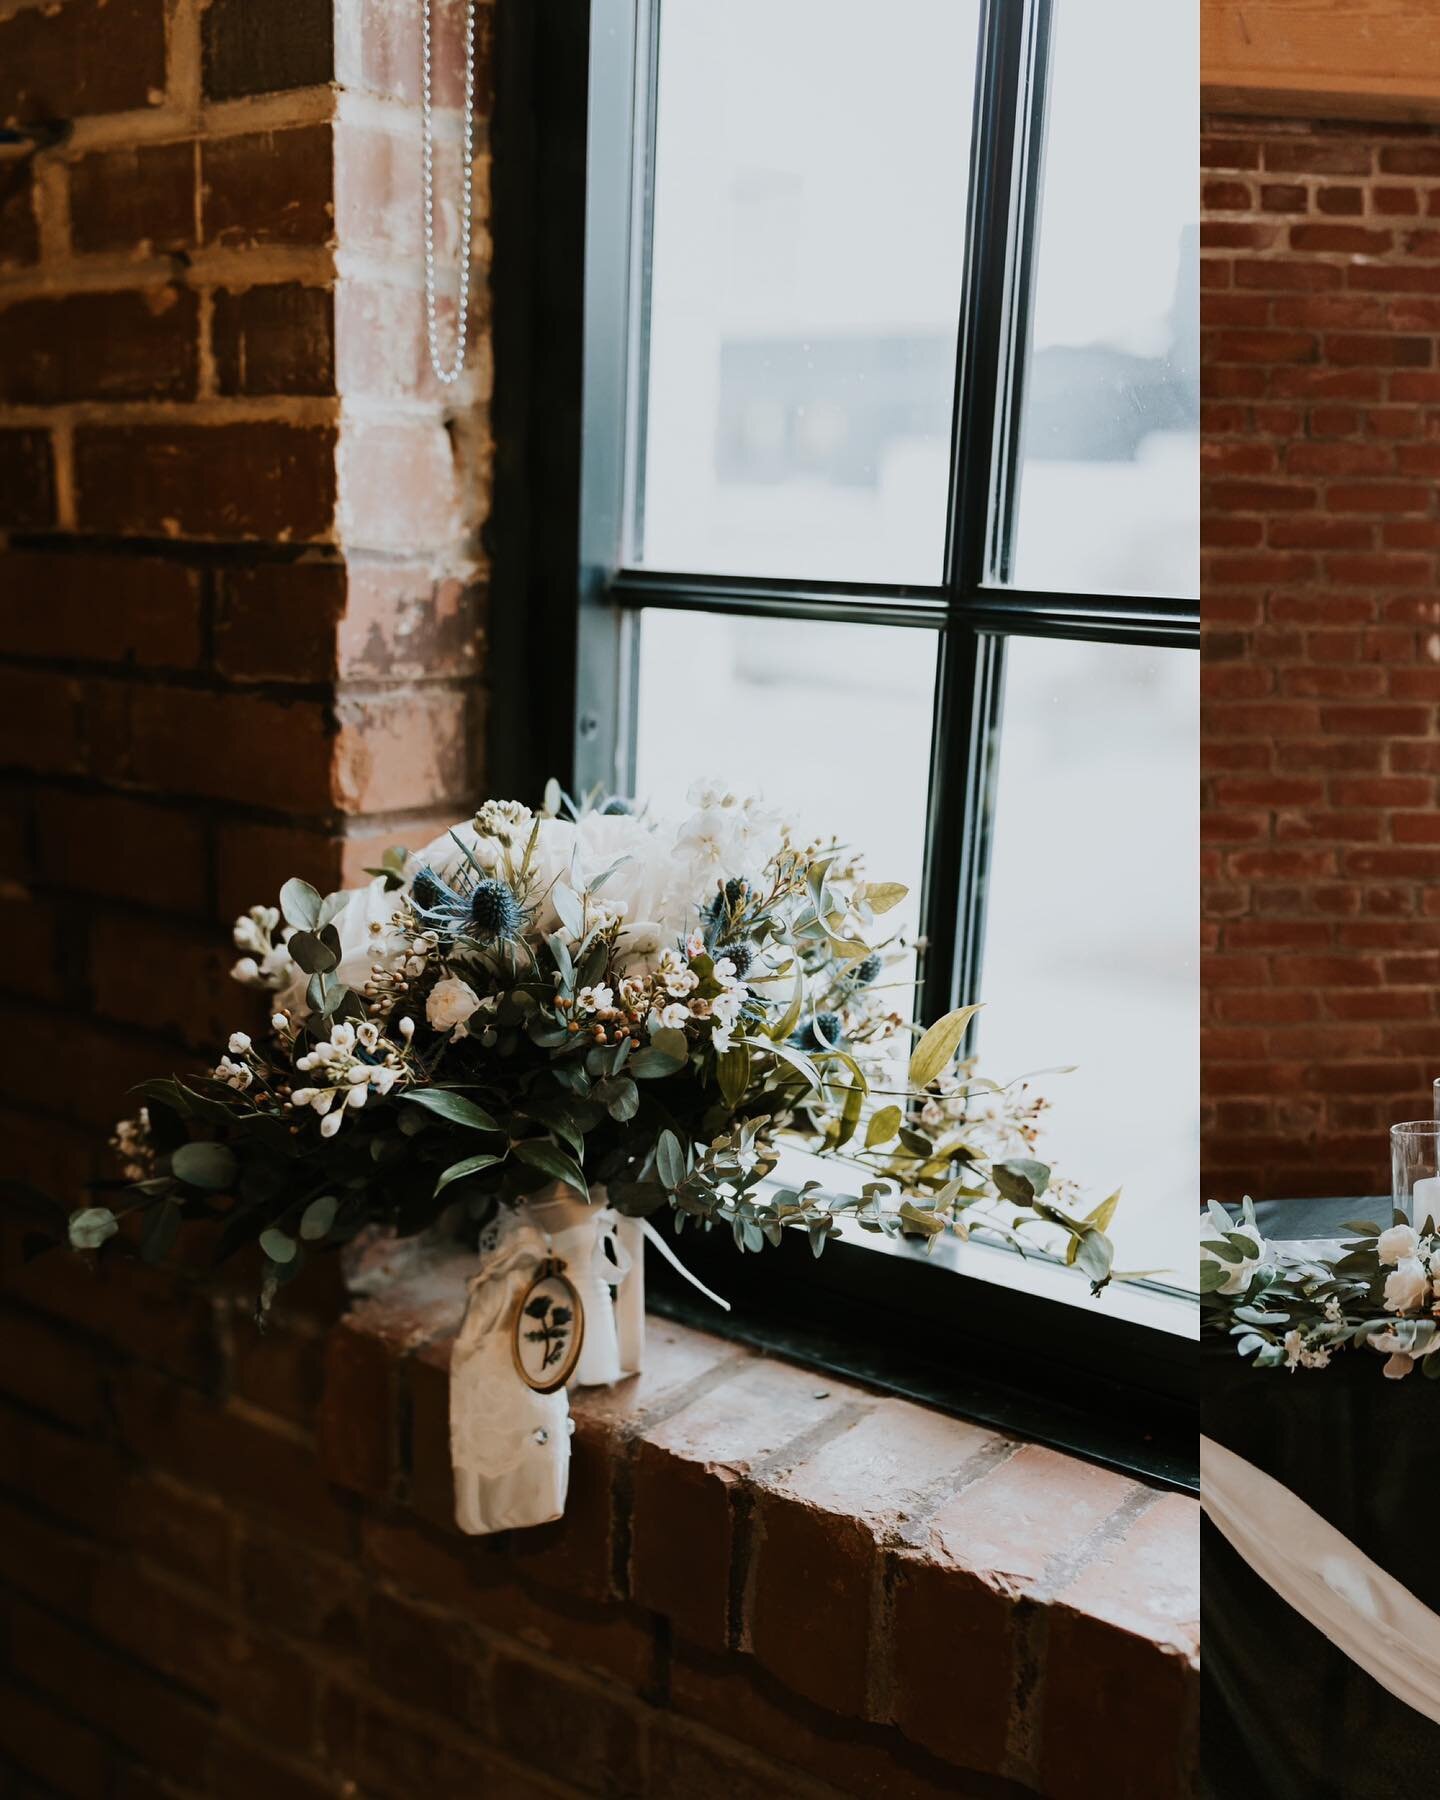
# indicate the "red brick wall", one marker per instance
pixel 239 563
pixel 228 1567
pixel 1321 360
pixel 243 592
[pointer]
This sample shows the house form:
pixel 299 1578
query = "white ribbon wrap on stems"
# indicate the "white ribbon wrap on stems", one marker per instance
pixel 1364 1612
pixel 509 1446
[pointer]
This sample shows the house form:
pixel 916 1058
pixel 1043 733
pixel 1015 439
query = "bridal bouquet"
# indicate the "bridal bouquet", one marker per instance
pixel 546 1027
pixel 1293 1305
pixel 585 996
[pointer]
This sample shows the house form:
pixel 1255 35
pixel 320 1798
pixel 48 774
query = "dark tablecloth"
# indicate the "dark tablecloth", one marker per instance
pixel 1285 1715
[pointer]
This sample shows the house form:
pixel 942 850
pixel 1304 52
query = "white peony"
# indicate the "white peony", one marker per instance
pixel 659 875
pixel 1405 1286
pixel 451 1002
pixel 1398 1243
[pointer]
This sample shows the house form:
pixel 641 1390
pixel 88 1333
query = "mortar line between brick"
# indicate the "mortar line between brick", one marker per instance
pixel 648 1418
pixel 1066 1565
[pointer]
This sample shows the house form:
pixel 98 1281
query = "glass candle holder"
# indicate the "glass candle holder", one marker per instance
pixel 1415 1170
pixel 1436 1091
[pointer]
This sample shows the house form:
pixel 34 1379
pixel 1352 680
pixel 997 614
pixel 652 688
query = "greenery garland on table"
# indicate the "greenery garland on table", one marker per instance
pixel 1289 1309
pixel 586 995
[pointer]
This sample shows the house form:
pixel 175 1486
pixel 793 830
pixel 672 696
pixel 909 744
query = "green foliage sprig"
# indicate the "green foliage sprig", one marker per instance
pixel 1285 1307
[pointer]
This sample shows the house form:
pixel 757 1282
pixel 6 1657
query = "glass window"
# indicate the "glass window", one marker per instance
pixel 793 304
pixel 1109 477
pixel 1093 904
pixel 807 263
pixel 800 712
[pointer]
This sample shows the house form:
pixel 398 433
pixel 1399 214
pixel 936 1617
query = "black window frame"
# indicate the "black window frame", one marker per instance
pixel 570 173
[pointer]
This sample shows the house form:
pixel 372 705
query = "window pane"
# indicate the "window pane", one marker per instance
pixel 1093 923
pixel 1109 473
pixel 792 709
pixel 810 191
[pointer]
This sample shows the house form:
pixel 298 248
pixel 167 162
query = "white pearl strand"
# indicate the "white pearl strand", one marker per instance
pixel 452 373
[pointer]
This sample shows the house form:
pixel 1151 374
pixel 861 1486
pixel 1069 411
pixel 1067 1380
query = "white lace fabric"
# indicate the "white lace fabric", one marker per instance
pixel 510 1447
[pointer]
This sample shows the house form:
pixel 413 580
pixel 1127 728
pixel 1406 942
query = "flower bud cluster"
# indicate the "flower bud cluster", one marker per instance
pixel 131 1143
pixel 265 962
pixel 354 1063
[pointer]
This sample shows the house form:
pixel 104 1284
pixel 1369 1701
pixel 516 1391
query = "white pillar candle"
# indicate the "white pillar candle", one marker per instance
pixel 1425 1201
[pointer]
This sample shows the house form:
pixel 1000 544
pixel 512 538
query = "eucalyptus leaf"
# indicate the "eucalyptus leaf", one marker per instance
pixel 158 1233
pixel 936 1049
pixel 318 1217
pixel 883 1126
pixel 311 953
pixel 89 1228
pixel 300 904
pixel 670 1159
pixel 278 1245
pixel 881 896
pixel 205 1165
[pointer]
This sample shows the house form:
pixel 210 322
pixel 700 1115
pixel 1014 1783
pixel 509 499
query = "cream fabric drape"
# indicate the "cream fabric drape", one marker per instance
pixel 1364 1612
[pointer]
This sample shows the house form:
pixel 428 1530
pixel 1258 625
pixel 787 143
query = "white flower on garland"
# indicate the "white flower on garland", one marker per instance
pixel 1405 1286
pixel 1397 1244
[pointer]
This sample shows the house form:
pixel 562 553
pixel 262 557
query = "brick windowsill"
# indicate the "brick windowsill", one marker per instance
pixel 849 1584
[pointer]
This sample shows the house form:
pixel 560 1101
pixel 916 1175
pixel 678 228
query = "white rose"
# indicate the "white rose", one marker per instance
pixel 1405 1286
pixel 451 1003
pixel 1398 1243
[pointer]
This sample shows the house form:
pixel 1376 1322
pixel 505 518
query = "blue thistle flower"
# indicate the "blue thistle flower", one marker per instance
pixel 494 910
pixel 822 1031
pixel 864 973
pixel 741 954
pixel 430 892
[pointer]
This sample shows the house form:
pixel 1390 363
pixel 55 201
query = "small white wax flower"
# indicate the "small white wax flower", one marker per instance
pixel 279 1021
pixel 595 999
pixel 673 1017
pixel 360 1073
pixel 407 1029
pixel 323 1099
pixel 1398 1243
pixel 1405 1286
pixel 450 1003
pixel 367 1035
pixel 330 1124
pixel 357 1095
pixel 246 970
pixel 302 1096
pixel 342 1037
pixel 239 1043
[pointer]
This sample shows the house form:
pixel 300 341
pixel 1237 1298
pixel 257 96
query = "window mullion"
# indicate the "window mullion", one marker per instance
pixel 968 688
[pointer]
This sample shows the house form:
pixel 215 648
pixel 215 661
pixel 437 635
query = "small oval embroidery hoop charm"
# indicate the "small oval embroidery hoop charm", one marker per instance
pixel 548 1329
